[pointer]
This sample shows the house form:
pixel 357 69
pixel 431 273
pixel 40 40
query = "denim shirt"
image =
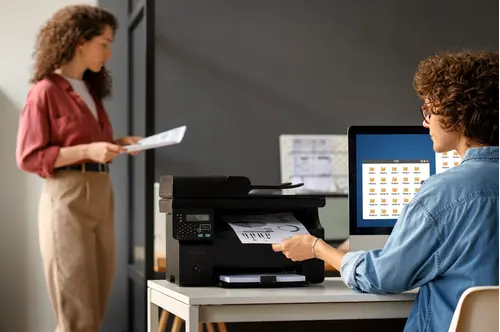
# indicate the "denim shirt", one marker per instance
pixel 445 241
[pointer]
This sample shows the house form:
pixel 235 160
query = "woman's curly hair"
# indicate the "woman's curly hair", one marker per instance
pixel 463 88
pixel 60 36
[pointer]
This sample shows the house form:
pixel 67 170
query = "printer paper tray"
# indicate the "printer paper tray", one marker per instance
pixel 262 280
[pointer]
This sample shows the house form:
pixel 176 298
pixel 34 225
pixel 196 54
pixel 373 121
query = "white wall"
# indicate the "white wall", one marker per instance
pixel 24 304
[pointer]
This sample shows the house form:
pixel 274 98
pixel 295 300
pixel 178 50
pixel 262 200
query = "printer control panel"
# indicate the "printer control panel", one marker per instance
pixel 193 226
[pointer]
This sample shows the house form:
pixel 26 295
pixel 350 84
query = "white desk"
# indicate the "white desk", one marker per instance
pixel 330 300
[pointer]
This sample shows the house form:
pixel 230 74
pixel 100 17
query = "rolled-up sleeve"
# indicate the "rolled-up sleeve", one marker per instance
pixel 33 152
pixel 349 263
pixel 409 259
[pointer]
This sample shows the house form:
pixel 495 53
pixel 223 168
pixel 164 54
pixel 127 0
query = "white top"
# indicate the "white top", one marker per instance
pixel 81 89
pixel 331 290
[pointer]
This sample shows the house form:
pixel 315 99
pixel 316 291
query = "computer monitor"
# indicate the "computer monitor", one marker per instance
pixel 387 166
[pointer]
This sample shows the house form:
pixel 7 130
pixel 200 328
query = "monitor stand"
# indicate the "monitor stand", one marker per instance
pixel 367 242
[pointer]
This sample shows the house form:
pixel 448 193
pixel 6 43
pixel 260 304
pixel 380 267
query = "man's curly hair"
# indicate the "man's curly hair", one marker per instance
pixel 60 36
pixel 463 88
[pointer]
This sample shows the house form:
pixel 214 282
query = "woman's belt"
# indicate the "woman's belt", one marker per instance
pixel 86 167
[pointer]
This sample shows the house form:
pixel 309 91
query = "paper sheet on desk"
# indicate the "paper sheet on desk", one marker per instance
pixel 265 229
pixel 169 137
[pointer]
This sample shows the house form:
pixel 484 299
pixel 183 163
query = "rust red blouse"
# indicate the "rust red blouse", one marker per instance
pixel 55 116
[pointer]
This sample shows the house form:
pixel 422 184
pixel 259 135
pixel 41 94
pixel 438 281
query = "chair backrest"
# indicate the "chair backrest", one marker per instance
pixel 477 310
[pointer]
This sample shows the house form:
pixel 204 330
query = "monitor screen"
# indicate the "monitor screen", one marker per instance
pixel 389 169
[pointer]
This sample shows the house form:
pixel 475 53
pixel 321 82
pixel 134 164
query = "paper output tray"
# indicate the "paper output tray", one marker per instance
pixel 261 280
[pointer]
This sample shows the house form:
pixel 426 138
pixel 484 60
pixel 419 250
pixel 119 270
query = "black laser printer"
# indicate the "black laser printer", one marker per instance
pixel 203 249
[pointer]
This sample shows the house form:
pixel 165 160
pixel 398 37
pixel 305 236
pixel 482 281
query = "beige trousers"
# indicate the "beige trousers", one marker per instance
pixel 76 226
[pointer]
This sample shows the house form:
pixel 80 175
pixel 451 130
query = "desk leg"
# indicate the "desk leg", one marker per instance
pixel 152 314
pixel 193 319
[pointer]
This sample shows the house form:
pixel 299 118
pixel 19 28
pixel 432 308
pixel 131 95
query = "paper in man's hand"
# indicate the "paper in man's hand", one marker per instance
pixel 265 229
pixel 166 138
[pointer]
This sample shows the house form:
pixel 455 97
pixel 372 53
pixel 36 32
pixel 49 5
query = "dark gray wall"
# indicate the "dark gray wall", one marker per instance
pixel 240 73
pixel 116 316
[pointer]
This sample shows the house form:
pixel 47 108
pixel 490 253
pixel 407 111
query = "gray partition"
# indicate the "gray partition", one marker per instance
pixel 335 218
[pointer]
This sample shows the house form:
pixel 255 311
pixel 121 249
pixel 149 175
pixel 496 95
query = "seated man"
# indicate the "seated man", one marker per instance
pixel 446 239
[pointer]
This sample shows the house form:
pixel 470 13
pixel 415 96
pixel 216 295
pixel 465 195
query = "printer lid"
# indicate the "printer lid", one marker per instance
pixel 213 186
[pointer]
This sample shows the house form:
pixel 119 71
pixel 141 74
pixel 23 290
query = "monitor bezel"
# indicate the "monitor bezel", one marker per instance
pixel 352 131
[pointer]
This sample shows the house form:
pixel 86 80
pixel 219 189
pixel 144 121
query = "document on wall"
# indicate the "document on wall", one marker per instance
pixel 317 161
pixel 265 229
pixel 166 138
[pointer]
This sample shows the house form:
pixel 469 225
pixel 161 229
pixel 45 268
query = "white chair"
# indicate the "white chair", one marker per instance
pixel 477 310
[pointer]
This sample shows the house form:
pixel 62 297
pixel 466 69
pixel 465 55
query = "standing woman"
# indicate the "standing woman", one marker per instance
pixel 65 137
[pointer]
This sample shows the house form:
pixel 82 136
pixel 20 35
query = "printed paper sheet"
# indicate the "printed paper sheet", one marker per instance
pixel 265 229
pixel 166 138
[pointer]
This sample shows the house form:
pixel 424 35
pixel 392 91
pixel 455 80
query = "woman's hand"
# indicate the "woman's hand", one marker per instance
pixel 297 248
pixel 127 140
pixel 102 152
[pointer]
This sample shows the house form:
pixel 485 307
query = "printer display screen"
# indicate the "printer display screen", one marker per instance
pixel 197 217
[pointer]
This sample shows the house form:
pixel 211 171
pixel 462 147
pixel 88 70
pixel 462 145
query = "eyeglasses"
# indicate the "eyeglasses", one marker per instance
pixel 426 115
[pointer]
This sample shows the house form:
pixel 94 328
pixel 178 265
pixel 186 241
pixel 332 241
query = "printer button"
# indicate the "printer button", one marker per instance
pixel 196 268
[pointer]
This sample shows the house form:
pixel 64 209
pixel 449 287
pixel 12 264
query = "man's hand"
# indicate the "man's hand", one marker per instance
pixel 297 248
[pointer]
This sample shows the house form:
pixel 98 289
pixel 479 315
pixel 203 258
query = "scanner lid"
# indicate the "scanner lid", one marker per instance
pixel 213 186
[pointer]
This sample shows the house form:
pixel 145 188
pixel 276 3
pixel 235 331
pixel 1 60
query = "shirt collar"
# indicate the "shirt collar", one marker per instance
pixel 64 84
pixel 482 153
pixel 60 81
